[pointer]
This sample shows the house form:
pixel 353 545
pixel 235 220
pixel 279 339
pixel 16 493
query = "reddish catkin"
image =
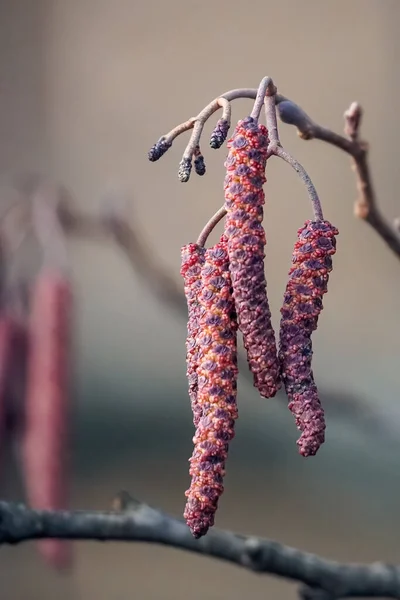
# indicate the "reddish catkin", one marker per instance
pixel 308 282
pixel 192 261
pixel 217 387
pixel 45 436
pixel 244 201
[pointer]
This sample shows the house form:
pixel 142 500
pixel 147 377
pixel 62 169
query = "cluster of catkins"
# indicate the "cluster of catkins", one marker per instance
pixel 34 401
pixel 226 290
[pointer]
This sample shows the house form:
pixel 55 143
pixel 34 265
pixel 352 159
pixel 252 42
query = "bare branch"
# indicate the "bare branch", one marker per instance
pixel 366 206
pixel 139 522
pixel 275 148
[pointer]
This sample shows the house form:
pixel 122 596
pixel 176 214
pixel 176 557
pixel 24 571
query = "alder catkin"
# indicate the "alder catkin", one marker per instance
pixel 45 442
pixel 244 201
pixel 217 388
pixel 302 304
pixel 192 260
pixel 219 134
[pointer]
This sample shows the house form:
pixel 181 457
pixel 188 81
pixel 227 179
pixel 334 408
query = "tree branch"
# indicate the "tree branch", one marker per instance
pixel 366 206
pixel 133 521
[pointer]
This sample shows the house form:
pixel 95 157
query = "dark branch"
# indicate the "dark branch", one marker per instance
pixel 137 522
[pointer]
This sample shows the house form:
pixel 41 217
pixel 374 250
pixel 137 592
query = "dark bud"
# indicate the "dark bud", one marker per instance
pixel 159 149
pixel 219 134
pixel 199 165
pixel 185 167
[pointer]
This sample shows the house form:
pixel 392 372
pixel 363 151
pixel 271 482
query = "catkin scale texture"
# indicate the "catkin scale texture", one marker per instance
pixel 45 436
pixel 308 281
pixel 244 201
pixel 192 260
pixel 217 388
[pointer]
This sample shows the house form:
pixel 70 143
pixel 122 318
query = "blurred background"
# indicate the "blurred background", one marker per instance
pixel 86 87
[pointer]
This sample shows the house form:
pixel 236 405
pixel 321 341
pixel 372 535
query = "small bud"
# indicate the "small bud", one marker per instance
pixel 352 118
pixel 185 167
pixel 219 134
pixel 159 149
pixel 199 165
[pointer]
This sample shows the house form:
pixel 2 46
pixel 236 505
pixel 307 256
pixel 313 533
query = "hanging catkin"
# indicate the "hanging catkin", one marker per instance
pixel 217 385
pixel 244 201
pixel 308 281
pixel 192 261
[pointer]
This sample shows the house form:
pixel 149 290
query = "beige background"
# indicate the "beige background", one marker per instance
pixel 86 87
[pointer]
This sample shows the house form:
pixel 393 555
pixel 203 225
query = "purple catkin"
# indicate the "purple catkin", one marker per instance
pixel 308 281
pixel 244 201
pixel 159 149
pixel 216 395
pixel 219 134
pixel 192 256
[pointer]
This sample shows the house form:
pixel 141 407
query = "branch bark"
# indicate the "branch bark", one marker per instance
pixel 366 205
pixel 133 521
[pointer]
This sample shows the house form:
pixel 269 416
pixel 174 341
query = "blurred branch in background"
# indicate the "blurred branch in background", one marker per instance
pixel 134 521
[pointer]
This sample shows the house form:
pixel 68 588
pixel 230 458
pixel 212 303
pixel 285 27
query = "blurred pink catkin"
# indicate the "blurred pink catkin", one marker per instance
pixel 45 437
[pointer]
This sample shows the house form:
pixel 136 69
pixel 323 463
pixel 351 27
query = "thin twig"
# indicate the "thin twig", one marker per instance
pixel 366 205
pixel 209 227
pixel 266 87
pixel 275 148
pixel 139 522
pixel 162 284
pixel 47 226
pixel 300 170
